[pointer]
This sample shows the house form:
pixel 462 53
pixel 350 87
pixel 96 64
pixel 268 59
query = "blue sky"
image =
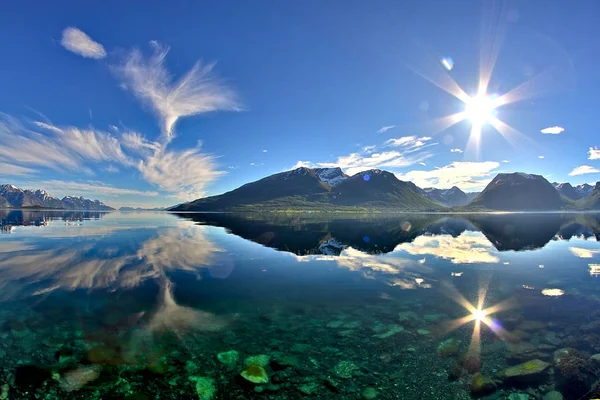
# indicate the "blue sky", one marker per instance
pixel 156 105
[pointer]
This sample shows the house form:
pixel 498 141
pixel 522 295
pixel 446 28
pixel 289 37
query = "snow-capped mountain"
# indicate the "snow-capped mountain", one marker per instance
pixel 12 196
pixel 332 176
pixel 584 189
pixel 568 191
pixel 447 197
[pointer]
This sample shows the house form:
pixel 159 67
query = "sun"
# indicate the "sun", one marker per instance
pixel 480 109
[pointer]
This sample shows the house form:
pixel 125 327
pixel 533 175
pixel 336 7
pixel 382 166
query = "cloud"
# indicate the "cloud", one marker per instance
pixel 584 253
pixel 594 153
pixel 76 41
pixel 264 151
pixel 112 169
pixel 14 170
pixel 394 153
pixel 423 164
pixel 456 151
pixel 198 91
pixel 384 129
pixel 553 130
pixel 583 169
pixel 505 161
pixel 82 188
pixel 185 173
pixel 541 157
pixel 465 175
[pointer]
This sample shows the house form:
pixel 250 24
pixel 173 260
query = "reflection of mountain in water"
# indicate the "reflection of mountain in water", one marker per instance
pixel 313 234
pixel 12 218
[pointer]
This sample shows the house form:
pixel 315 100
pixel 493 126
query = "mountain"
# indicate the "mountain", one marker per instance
pixel 319 189
pixel 79 203
pixel 568 191
pixel 472 195
pixel 447 197
pixel 591 201
pixel 12 196
pixel 584 189
pixel 141 209
pixel 519 192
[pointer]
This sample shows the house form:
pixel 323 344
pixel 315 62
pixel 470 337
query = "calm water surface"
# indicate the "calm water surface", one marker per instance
pixel 223 306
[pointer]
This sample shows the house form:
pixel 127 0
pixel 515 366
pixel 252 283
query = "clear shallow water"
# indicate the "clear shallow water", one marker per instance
pixel 140 305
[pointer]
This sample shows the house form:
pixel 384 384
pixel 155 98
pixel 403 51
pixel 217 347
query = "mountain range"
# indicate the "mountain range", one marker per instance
pixel 329 189
pixel 14 197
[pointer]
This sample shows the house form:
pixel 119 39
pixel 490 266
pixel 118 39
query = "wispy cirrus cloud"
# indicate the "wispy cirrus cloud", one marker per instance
pixel 393 153
pixel 553 130
pixel 76 41
pixel 583 169
pixel 594 153
pixel 384 129
pixel 198 91
pixel 7 169
pixel 465 175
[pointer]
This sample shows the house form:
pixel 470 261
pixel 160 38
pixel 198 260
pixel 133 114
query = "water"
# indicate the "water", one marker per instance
pixel 156 305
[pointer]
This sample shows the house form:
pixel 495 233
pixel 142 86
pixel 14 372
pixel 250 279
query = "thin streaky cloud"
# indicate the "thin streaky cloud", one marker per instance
pixel 71 187
pixel 198 91
pixel 384 129
pixel 456 151
pixel 594 153
pixel 7 169
pixel 76 41
pixel 583 169
pixel 553 130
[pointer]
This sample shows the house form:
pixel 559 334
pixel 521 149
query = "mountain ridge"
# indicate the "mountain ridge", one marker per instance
pixel 14 197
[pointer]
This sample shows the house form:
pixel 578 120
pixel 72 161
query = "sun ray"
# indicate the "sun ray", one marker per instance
pixel 443 80
pixel 512 135
pixel 493 27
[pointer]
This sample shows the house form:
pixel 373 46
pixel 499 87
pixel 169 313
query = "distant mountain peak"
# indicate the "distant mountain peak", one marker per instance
pixel 12 196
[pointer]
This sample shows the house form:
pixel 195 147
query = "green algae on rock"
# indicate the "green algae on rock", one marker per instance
pixel 229 358
pixel 256 374
pixel 205 387
pixel 369 393
pixel 525 370
pixel 482 385
pixel 345 369
pixel 449 347
pixel 261 360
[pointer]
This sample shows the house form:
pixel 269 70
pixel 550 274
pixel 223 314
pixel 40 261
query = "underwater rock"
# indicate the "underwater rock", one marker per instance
pixel 282 362
pixel 522 351
pixel 4 391
pixel 104 355
pixel 261 360
pixel 369 393
pixel 229 358
pixel 78 378
pixel 18 328
pixel 449 347
pixel 576 373
pixel 518 396
pixel 525 371
pixel 391 331
pixel 558 354
pixel 551 338
pixel 335 324
pixel 309 388
pixel 423 332
pixel 482 385
pixel 256 374
pixel 596 358
pixel 408 316
pixel 205 387
pixel 553 395
pixel 345 369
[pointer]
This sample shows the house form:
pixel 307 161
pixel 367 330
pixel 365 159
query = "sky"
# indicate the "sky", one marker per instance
pixel 157 105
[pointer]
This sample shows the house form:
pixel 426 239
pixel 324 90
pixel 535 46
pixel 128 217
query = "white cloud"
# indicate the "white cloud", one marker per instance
pixel 76 41
pixel 185 173
pixel 112 169
pixel 264 151
pixel 14 170
pixel 583 169
pixel 456 151
pixel 594 153
pixel 505 161
pixel 467 248
pixel 553 130
pixel 465 175
pixel 84 188
pixel 541 157
pixel 408 150
pixel 423 164
pixel 384 129
pixel 198 91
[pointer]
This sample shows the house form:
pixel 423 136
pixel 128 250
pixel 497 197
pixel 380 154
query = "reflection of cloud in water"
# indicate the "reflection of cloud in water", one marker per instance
pixel 467 248
pixel 583 253
pixel 89 264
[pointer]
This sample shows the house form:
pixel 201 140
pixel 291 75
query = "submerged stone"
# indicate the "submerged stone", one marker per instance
pixel 482 385
pixel 205 387
pixel 553 395
pixel 345 369
pixel 518 396
pixel 4 391
pixel 309 388
pixel 449 347
pixel 525 370
pixel 229 358
pixel 369 393
pixel 260 360
pixel 389 332
pixel 256 374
